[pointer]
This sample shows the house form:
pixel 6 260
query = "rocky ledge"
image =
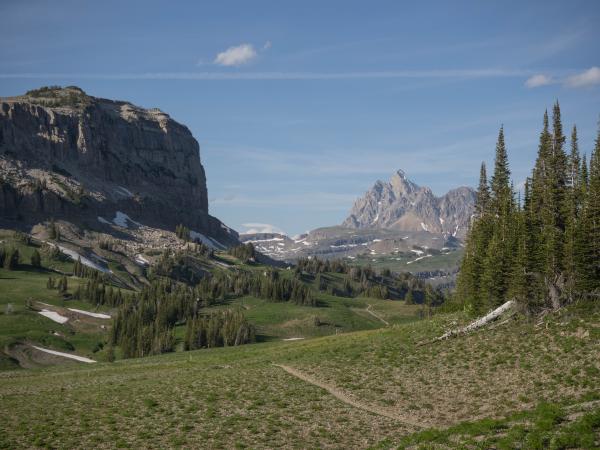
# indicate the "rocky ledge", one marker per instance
pixel 70 156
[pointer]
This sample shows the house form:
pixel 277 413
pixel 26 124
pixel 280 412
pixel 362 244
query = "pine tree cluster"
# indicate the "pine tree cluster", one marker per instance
pixel 244 252
pixel 183 232
pixel 542 250
pixel 144 324
pixel 222 329
pixel 365 282
pixel 9 258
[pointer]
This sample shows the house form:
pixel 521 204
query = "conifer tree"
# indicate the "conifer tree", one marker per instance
pixel 500 185
pixel 497 265
pixel 555 217
pixel 482 198
pixel 36 259
pixel 592 221
pixel 472 266
pixel 572 210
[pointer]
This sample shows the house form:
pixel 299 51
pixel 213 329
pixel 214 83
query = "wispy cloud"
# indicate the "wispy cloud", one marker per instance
pixel 267 45
pixel 255 227
pixel 538 80
pixel 586 78
pixel 414 74
pixel 236 56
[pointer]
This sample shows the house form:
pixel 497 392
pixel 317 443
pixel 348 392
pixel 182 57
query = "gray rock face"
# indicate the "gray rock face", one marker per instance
pixel 68 155
pixel 402 205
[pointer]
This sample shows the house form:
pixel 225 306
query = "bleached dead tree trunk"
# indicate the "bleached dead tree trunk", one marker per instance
pixel 482 321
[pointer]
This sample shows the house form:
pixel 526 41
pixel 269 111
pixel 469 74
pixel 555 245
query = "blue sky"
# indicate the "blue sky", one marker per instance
pixel 299 107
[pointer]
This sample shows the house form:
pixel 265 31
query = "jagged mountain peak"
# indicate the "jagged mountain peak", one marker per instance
pixel 404 205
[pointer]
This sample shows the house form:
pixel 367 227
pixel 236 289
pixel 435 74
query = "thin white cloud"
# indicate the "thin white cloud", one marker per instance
pixel 255 227
pixel 236 56
pixel 408 74
pixel 586 78
pixel 267 45
pixel 538 80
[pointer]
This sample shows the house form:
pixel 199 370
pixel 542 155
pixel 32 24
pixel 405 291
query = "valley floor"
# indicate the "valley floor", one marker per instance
pixel 521 384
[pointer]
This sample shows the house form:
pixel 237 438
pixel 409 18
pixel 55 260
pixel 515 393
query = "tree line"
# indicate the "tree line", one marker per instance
pixel 245 252
pixel 145 322
pixel 542 248
pixel 366 282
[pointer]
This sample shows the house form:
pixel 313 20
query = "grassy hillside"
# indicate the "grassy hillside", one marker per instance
pixel 519 384
pixel 24 292
pixel 24 295
pixel 333 315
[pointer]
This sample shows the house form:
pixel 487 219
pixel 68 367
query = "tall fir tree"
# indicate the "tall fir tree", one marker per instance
pixel 500 185
pixel 572 211
pixel 482 198
pixel 500 252
pixel 592 221
pixel 472 265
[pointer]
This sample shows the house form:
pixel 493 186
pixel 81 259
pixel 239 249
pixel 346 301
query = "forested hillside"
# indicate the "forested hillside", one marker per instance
pixel 542 248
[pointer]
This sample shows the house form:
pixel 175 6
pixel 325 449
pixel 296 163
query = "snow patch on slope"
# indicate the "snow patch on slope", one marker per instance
pixel 53 315
pixel 64 355
pixel 121 220
pixel 85 261
pixel 91 314
pixel 206 240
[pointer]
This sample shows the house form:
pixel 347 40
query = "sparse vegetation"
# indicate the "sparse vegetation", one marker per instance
pixel 56 96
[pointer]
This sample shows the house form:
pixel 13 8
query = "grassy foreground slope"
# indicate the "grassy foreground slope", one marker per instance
pixel 518 384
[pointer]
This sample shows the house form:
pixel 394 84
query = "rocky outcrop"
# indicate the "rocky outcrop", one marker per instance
pixel 67 155
pixel 401 204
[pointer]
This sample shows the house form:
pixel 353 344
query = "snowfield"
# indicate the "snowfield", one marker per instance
pixel 208 241
pixel 141 260
pixel 124 191
pixel 85 261
pixel 121 220
pixel 418 259
pixel 53 315
pixel 64 355
pixel 277 239
pixel 91 314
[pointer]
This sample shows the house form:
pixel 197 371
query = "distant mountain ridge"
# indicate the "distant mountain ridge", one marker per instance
pixel 401 204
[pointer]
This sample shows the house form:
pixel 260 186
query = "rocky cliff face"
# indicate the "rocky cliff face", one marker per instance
pixel 67 155
pixel 401 204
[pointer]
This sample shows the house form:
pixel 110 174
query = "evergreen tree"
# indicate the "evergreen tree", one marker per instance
pixel 12 259
pixel 62 285
pixel 557 200
pixel 572 209
pixel 110 353
pixel 546 251
pixel 500 185
pixel 497 263
pixel 36 259
pixel 482 198
pixel 591 226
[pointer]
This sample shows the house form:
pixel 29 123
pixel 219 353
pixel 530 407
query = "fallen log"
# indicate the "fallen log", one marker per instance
pixel 482 321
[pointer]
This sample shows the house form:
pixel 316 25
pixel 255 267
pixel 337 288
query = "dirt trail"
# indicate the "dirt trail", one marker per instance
pixel 377 316
pixel 349 401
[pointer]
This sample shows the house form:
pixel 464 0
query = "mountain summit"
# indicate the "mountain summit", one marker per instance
pixel 403 205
